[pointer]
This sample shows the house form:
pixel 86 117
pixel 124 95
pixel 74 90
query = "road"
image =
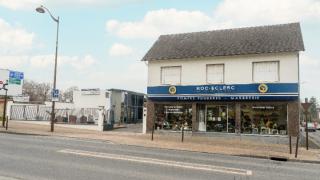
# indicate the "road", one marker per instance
pixel 315 137
pixel 43 157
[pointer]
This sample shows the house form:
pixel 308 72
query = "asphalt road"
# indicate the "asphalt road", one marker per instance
pixel 315 137
pixel 42 157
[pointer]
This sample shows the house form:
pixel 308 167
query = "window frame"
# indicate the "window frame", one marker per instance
pixel 223 81
pixel 278 71
pixel 161 71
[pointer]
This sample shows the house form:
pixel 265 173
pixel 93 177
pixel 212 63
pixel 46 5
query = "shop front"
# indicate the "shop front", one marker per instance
pixel 225 109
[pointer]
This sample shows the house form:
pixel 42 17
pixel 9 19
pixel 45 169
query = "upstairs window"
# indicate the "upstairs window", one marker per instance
pixel 215 73
pixel 171 75
pixel 266 71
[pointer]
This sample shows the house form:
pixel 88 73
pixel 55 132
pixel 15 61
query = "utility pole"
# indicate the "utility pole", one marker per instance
pixel 43 9
pixel 5 103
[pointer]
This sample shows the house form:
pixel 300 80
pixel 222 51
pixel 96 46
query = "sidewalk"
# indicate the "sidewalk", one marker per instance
pixel 208 144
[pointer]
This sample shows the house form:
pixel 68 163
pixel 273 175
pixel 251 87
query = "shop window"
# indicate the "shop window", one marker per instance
pixel 171 75
pixel 215 73
pixel 173 117
pixel 264 119
pixel 216 118
pixel 266 71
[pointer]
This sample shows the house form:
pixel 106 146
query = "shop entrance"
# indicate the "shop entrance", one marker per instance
pixel 216 118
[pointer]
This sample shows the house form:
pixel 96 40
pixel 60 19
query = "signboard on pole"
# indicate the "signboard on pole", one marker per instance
pixel 55 95
pixel 15 82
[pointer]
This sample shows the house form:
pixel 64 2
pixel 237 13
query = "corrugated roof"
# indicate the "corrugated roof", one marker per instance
pixel 227 42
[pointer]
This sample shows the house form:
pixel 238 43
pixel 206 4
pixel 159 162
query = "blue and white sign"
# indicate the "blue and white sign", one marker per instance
pixel 16 75
pixel 225 92
pixel 55 94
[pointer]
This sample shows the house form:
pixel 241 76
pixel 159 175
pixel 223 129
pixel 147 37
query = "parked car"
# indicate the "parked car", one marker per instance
pixel 312 127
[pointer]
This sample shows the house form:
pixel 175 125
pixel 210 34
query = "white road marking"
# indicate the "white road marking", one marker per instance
pixel 203 167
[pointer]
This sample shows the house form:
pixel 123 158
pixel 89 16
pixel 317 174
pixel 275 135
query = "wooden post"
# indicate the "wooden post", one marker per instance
pixel 7 119
pixel 297 144
pixel 290 145
pixel 182 133
pixel 153 126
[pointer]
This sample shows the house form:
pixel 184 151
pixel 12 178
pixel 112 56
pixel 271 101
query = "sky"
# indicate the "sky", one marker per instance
pixel 102 42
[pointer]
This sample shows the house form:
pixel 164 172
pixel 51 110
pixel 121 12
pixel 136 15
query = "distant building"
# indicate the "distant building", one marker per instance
pixel 121 106
pixel 243 80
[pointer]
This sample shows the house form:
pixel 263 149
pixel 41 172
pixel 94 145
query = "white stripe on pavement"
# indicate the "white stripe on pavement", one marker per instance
pixel 204 167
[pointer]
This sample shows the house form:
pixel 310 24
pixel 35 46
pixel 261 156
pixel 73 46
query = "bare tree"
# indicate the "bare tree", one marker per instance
pixel 67 95
pixel 39 92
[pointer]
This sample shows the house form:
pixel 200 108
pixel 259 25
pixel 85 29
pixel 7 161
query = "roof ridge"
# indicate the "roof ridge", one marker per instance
pixel 231 29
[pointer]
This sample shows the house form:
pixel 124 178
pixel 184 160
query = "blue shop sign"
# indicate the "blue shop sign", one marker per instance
pixel 225 92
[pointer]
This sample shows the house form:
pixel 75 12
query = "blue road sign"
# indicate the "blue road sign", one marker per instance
pixel 16 75
pixel 55 93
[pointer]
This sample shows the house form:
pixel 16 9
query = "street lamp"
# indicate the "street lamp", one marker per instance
pixel 43 9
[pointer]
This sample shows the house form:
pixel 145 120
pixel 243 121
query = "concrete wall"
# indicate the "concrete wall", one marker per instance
pixel 90 101
pixel 238 69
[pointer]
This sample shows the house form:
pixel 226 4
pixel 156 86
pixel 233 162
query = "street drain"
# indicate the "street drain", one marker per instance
pixel 279 158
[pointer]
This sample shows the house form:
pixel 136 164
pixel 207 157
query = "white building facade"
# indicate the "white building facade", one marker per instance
pixel 234 81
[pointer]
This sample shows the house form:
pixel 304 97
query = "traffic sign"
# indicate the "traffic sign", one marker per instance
pixel 55 94
pixel 15 77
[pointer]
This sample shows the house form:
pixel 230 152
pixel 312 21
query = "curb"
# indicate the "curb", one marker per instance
pixel 235 155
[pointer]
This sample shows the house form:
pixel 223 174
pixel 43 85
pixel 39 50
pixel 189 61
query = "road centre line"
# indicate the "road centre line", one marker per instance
pixel 219 169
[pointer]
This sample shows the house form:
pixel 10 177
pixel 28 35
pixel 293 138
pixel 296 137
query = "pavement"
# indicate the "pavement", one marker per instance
pixel 247 146
pixel 51 157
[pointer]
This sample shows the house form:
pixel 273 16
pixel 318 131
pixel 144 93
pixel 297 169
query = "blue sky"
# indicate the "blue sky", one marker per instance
pixel 101 42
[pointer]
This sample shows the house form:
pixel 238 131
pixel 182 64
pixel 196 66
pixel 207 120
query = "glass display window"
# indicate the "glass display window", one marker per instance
pixel 173 117
pixel 264 119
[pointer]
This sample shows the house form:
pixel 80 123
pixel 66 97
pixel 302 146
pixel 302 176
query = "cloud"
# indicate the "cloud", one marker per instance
pixel 229 13
pixel 133 77
pixel 163 21
pixel 14 37
pixel 248 12
pixel 79 63
pixel 31 4
pixel 118 49
pixel 12 62
pixel 20 4
pixel 309 71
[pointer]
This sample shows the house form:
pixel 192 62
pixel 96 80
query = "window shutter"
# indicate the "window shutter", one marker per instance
pixel 171 75
pixel 266 71
pixel 215 73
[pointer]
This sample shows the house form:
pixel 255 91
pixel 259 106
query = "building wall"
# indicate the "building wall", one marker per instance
pixel 238 69
pixel 116 99
pixel 90 101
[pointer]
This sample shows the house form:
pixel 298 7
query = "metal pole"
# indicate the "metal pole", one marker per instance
pixel 307 134
pixel 4 105
pixel 55 77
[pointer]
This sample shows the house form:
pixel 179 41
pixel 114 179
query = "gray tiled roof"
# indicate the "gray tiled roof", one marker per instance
pixel 227 42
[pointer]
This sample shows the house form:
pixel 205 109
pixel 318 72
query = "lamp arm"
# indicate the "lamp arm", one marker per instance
pixel 55 19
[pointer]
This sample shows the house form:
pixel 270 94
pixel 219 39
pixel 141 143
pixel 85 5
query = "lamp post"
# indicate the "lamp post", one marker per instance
pixel 43 9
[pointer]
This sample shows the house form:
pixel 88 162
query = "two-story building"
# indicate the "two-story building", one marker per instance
pixel 234 80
